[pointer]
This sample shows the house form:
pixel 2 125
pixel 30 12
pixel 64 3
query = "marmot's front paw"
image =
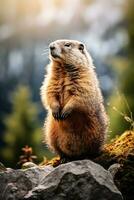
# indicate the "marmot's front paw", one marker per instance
pixel 56 111
pixel 65 114
pixel 56 115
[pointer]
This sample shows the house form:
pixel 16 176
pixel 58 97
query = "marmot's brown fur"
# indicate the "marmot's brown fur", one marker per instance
pixel 76 123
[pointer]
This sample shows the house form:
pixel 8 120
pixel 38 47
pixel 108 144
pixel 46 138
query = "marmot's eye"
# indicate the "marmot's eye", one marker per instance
pixel 67 45
pixel 81 47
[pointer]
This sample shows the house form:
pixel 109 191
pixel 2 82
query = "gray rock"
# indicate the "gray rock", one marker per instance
pixel 113 169
pixel 2 167
pixel 77 180
pixel 15 184
pixel 28 165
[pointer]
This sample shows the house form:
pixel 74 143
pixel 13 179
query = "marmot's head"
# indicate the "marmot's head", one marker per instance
pixel 69 52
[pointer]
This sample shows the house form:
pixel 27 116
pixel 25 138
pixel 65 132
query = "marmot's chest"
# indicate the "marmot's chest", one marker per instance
pixel 66 90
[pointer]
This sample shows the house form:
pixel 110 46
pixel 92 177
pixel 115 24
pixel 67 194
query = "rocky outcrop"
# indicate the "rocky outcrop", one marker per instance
pixel 80 180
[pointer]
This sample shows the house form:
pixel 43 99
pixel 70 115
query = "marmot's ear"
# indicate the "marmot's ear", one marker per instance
pixel 81 47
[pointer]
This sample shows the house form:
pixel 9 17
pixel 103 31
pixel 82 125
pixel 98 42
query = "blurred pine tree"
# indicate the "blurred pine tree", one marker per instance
pixel 123 102
pixel 22 127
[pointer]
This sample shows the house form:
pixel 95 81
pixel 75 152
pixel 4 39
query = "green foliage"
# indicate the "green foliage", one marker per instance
pixel 121 108
pixel 22 126
pixel 124 101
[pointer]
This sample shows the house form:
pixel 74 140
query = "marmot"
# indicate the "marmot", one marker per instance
pixel 76 124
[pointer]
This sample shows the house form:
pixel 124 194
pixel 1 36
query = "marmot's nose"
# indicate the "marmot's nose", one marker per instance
pixel 52 47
